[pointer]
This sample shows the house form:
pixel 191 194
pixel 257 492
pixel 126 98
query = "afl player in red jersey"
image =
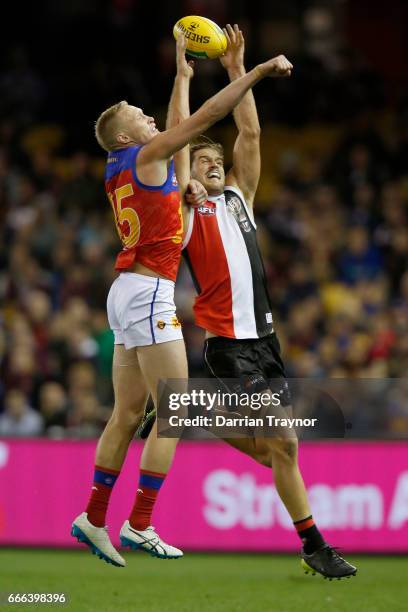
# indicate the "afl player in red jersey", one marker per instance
pixel 233 304
pixel 141 186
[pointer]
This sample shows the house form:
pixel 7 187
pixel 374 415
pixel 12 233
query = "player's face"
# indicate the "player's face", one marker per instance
pixel 208 168
pixel 140 127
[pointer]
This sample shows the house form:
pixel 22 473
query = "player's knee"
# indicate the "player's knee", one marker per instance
pixel 284 450
pixel 126 419
pixel 265 458
pixel 263 453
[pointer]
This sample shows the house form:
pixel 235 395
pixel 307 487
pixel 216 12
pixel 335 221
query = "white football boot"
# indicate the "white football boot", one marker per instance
pixel 149 541
pixel 97 539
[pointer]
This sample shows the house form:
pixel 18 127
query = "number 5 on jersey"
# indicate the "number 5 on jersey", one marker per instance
pixel 126 218
pixel 178 237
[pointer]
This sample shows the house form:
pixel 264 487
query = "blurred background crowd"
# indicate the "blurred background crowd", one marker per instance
pixel 331 208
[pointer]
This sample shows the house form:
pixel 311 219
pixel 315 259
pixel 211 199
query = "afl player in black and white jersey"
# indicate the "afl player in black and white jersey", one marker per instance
pixel 233 303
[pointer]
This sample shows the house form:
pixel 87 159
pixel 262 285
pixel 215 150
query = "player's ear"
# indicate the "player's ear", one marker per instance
pixel 122 138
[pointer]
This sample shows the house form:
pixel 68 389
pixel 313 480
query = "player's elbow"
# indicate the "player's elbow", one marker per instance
pixel 251 133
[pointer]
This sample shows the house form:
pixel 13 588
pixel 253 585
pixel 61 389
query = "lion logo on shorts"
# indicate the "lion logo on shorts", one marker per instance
pixel 161 324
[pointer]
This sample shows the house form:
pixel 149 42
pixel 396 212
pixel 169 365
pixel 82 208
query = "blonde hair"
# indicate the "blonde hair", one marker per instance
pixel 105 126
pixel 205 143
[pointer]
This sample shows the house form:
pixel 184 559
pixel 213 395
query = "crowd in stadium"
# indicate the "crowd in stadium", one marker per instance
pixel 334 236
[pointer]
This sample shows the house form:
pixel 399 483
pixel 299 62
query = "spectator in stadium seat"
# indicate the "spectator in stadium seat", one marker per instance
pixel 19 419
pixel 53 405
pixel 360 259
pixel 87 418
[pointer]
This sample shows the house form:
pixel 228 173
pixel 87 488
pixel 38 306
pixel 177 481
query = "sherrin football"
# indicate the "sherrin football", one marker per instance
pixel 205 39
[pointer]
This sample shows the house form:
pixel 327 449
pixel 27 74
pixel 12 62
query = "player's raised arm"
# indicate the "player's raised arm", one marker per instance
pixel 179 110
pixel 165 144
pixel 179 105
pixel 246 166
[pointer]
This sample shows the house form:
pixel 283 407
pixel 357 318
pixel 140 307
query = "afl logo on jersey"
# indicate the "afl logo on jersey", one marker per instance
pixel 207 210
pixel 235 207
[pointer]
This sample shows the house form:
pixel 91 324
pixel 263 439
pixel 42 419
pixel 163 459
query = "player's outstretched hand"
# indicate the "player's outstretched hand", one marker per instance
pixel 184 68
pixel 234 55
pixel 276 67
pixel 196 194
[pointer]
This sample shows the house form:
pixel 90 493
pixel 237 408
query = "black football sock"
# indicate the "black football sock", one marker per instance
pixel 311 537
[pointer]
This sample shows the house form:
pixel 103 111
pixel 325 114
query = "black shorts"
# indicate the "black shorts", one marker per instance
pixel 255 364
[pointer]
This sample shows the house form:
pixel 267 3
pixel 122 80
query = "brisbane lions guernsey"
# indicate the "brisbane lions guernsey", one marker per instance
pixel 222 253
pixel 148 218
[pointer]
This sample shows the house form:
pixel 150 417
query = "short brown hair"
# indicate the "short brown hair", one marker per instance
pixel 205 143
pixel 104 126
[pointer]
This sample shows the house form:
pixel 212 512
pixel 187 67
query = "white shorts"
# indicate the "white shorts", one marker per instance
pixel 141 310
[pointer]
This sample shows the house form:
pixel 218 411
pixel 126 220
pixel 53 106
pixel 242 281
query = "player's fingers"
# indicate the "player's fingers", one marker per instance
pixel 284 72
pixel 192 187
pixel 286 62
pixel 231 32
pixel 190 199
pixel 181 42
pixel 227 36
pixel 201 192
pixel 238 33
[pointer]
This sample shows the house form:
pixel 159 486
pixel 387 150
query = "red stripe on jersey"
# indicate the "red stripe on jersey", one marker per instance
pixel 213 306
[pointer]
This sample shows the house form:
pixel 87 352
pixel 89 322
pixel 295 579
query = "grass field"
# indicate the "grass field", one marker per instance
pixel 201 582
